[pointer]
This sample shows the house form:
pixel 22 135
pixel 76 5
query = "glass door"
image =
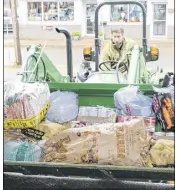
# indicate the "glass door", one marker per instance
pixel 90 16
pixel 159 20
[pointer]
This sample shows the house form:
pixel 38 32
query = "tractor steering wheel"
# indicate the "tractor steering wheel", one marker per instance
pixel 122 67
pixel 117 66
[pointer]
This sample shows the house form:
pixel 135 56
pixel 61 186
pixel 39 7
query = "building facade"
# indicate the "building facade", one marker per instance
pixel 37 18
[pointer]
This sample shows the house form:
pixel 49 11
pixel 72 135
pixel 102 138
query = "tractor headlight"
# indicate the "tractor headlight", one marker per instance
pixel 154 53
pixel 87 53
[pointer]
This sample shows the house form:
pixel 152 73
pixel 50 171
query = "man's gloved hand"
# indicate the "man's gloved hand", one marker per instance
pixel 123 68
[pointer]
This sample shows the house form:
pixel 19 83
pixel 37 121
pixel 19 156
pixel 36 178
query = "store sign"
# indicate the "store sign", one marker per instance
pixel 47 27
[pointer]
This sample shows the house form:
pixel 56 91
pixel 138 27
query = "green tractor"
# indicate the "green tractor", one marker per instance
pixel 39 67
pixel 93 89
pixel 137 71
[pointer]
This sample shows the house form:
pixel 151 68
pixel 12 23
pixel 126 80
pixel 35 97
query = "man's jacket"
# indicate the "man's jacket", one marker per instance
pixel 110 52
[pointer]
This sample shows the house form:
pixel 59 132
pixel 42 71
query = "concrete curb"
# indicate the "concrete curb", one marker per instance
pixel 81 43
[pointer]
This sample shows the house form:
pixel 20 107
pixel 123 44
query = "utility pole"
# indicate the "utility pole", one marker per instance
pixel 15 24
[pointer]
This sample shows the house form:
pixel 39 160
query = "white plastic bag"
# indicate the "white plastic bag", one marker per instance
pixel 63 107
pixel 132 102
pixel 25 104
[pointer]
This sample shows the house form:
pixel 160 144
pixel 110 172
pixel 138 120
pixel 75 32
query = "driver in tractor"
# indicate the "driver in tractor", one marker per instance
pixel 117 49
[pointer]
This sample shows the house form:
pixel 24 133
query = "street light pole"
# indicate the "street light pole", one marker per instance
pixel 15 24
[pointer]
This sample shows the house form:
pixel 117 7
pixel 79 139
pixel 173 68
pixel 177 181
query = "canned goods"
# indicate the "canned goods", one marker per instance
pixel 150 133
pixel 159 134
pixel 170 134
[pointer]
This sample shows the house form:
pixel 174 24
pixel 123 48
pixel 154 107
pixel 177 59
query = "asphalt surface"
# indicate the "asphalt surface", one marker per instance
pixel 59 58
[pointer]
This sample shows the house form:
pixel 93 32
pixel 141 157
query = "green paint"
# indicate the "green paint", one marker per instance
pixel 98 94
pixel 44 70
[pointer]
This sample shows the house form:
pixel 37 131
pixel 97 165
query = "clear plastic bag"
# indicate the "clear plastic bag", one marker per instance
pixel 132 102
pixel 63 107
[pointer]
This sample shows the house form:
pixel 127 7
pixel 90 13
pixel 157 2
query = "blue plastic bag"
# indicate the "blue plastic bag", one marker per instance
pixel 18 150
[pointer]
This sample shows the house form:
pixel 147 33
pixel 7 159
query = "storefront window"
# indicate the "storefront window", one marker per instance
pixel 119 13
pixel 6 3
pixel 7 12
pixel 159 12
pixel 135 12
pixel 127 13
pixel 50 11
pixel 66 11
pixel 34 11
pixel 90 12
pixel 159 20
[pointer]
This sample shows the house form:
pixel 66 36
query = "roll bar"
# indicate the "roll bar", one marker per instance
pixel 97 49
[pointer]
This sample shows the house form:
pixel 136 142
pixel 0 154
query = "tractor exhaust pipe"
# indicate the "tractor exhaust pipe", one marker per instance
pixel 68 51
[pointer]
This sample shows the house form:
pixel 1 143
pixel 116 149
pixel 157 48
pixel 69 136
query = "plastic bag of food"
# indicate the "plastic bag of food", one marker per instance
pixel 25 104
pixel 108 143
pixel 18 150
pixel 63 107
pixel 165 90
pixel 150 122
pixel 50 129
pixel 132 102
pixel 159 153
pixel 164 110
pixel 96 114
